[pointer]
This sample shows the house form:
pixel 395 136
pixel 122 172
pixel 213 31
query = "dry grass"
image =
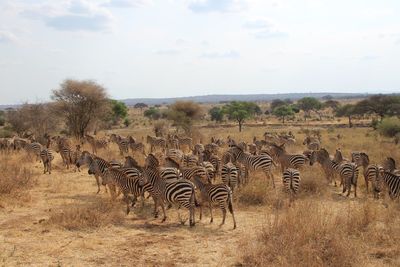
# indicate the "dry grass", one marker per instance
pixel 310 234
pixel 15 176
pixel 91 216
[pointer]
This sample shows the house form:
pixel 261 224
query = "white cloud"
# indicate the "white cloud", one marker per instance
pixel 205 6
pixel 168 52
pixel 7 37
pixel 127 3
pixel 221 55
pixel 262 28
pixel 76 15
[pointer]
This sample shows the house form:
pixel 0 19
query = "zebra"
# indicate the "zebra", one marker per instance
pixel 172 142
pixel 75 155
pixel 136 146
pixel 190 160
pixel 291 182
pixel 156 142
pixel 97 166
pixel 96 143
pixel 370 172
pixel 130 162
pixel 198 150
pixel 391 182
pixel 329 166
pixel 170 174
pixel 189 173
pixel 389 165
pixel 187 141
pixel 181 192
pixel 35 149
pixel 312 143
pixel 211 148
pixel 123 143
pixel 279 154
pixel 213 159
pixel 255 162
pixel 219 194
pixel 175 155
pixel 348 172
pixel 47 157
pixel 62 146
pixel 356 156
pixel 229 175
pixel 212 172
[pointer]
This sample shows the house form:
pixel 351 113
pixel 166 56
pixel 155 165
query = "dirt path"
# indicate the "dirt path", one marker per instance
pixel 27 239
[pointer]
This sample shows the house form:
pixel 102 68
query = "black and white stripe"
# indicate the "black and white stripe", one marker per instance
pixel 295 161
pixel 291 182
pixel 229 175
pixel 348 172
pixel 330 167
pixel 392 183
pixel 47 157
pixel 156 142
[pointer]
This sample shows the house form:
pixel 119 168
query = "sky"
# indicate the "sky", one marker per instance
pixel 170 48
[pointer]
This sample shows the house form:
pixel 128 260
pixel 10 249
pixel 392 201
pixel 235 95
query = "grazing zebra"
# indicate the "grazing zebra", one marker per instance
pixel 35 149
pixel 329 166
pixel 229 175
pixel 370 171
pixel 190 161
pixel 211 171
pixel 255 162
pixel 391 182
pixel 181 192
pixel 390 166
pixel 184 141
pixel 122 143
pixel 47 157
pixel 291 182
pixel 348 172
pixel 96 143
pixel 156 142
pixel 279 154
pixel 189 173
pixel 219 194
pixel 97 166
pixel 312 143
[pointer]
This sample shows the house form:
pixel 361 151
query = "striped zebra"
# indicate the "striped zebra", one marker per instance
pixel 97 166
pixel 35 149
pixel 47 157
pixel 175 155
pixel 211 148
pixel 329 166
pixel 122 143
pixel 181 192
pixel 370 172
pixel 255 162
pixel 63 147
pixel 348 172
pixel 279 154
pixel 391 182
pixel 219 194
pixel 389 165
pixel 211 171
pixel 291 182
pixel 172 142
pixel 75 155
pixel 156 142
pixel 189 160
pixel 96 143
pixel 229 175
pixel 198 150
pixel 312 143
pixel 213 159
pixel 356 156
pixel 189 173
pixel 127 184
pixel 184 141
pixel 170 174
pixel 136 147
pixel 130 162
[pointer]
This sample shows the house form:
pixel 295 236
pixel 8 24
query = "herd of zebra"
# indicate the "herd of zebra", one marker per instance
pixel 192 175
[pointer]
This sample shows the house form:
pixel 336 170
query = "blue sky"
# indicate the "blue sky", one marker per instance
pixel 167 48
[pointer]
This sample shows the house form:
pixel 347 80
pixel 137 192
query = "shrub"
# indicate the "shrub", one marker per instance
pixel 389 127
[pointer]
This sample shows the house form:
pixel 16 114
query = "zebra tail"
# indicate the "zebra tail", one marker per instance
pixel 230 207
pixel 196 203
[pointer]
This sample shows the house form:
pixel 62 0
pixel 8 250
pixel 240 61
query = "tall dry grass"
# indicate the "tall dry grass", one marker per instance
pixel 314 234
pixel 15 176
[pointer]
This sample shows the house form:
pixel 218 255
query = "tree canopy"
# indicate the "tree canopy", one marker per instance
pixel 308 104
pixel 381 105
pixel 216 114
pixel 183 113
pixel 239 111
pixel 283 112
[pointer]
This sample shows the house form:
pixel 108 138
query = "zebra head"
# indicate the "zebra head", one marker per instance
pixel 84 159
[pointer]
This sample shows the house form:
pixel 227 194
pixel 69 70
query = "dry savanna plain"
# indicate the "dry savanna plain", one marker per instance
pixel 59 220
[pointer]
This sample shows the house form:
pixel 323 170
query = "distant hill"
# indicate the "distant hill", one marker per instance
pixel 227 98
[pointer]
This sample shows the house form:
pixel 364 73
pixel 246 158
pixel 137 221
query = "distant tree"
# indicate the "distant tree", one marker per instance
pixel 183 113
pixel 276 103
pixel 152 113
pixel 140 106
pixel 127 122
pixel 216 114
pixel 82 104
pixel 348 111
pixel 283 112
pixel 308 104
pixel 381 105
pixel 389 127
pixel 2 118
pixel 333 104
pixel 119 110
pixel 240 111
pixel 327 97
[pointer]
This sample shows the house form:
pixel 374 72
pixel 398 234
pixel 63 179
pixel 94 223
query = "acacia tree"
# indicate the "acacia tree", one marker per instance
pixel 240 111
pixel 216 114
pixel 183 113
pixel 348 111
pixel 140 106
pixel 308 104
pixel 283 112
pixel 119 110
pixel 381 105
pixel 81 103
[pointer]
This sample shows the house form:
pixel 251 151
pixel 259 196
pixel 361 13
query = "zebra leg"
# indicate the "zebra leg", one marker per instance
pixel 366 182
pixel 201 212
pixel 98 183
pixel 222 206
pixel 210 206
pixel 230 207
pixel 164 213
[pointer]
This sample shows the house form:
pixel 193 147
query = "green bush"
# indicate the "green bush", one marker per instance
pixel 389 127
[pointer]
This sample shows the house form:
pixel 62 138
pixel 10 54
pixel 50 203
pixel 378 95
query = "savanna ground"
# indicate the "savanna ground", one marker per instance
pixel 58 220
